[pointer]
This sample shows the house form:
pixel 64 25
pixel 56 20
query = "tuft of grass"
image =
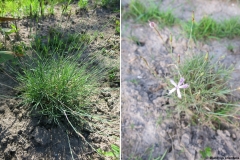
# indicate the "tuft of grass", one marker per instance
pixel 159 121
pixel 134 81
pixel 19 49
pixel 230 47
pixel 112 74
pixel 61 88
pixel 143 14
pixel 136 10
pixel 117 28
pixel 58 80
pixel 111 4
pixel 83 4
pixel 207 95
pixel 56 86
pixel 208 28
pixel 11 7
pixel 206 153
pixel 32 8
pixel 115 152
pixel 61 42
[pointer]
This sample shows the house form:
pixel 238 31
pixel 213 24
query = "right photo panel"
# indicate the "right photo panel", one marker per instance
pixel 180 72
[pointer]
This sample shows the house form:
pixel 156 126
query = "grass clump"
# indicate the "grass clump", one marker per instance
pixel 139 12
pixel 208 94
pixel 115 152
pixel 209 28
pixel 61 42
pixel 230 47
pixel 111 4
pixel 57 86
pixel 21 8
pixel 32 8
pixel 83 4
pixel 117 27
pixel 112 74
pixel 206 153
pixel 61 88
pixel 59 75
pixel 207 80
pixel 206 28
pixel 59 79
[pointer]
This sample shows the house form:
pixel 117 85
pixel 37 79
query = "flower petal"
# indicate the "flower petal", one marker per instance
pixel 179 93
pixel 181 81
pixel 173 82
pixel 151 24
pixel 171 91
pixel 184 86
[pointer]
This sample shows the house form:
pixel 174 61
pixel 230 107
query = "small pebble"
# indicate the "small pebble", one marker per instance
pixel 16 111
pixel 234 137
pixel 227 133
pixel 2 110
pixel 106 94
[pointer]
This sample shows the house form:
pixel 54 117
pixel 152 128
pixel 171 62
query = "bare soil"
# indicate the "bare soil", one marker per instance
pixel 25 137
pixel 150 124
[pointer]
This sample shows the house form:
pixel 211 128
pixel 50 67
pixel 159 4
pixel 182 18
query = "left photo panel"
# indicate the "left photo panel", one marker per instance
pixel 60 79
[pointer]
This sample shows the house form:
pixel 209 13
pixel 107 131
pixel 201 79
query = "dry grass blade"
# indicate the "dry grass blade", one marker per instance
pixel 153 71
pixel 5 19
pixel 80 134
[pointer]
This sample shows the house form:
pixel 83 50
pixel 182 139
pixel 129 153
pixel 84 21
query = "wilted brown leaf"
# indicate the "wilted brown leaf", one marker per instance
pixel 5 19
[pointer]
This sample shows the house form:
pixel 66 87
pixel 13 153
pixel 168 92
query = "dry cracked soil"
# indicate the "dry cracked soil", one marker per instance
pixel 25 137
pixel 149 124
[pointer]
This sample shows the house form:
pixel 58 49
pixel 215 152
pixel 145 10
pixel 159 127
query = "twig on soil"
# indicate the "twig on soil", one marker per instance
pixel 7 86
pixel 152 25
pixel 8 75
pixel 70 146
pixel 80 133
pixel 74 127
pixel 153 72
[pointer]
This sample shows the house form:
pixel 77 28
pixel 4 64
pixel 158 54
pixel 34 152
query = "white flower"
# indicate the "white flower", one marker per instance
pixel 178 86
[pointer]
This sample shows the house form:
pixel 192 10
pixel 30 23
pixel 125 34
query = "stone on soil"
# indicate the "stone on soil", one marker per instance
pixel 41 136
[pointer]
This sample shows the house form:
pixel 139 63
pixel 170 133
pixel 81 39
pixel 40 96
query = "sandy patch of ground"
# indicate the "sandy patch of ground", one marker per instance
pixel 150 125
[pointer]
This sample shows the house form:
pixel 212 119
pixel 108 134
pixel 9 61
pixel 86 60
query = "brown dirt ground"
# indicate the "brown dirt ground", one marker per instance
pixel 150 124
pixel 25 137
